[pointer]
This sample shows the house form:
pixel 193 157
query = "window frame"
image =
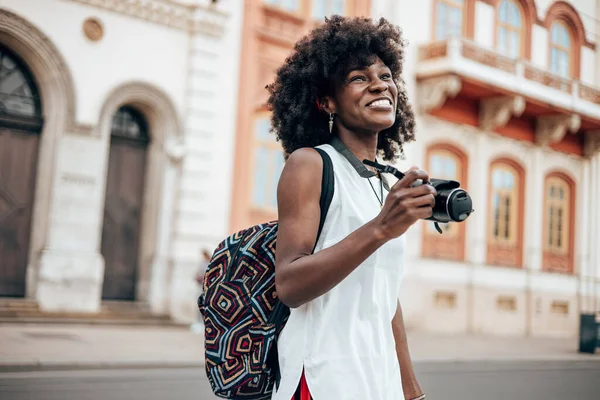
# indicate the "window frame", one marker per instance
pixel 447 247
pixel 559 47
pixel 270 145
pixel 297 12
pixel 328 3
pixel 565 13
pixel 529 18
pixel 557 261
pixel 466 28
pixel 522 31
pixel 28 123
pixel 499 252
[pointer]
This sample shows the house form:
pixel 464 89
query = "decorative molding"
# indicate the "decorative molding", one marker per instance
pixel 156 106
pixel 591 146
pixel 44 60
pixel 433 92
pixel 433 50
pixel 197 18
pixel 566 12
pixel 175 149
pixel 495 112
pixel 78 179
pixel 589 93
pixel 482 55
pixel 548 78
pixel 93 29
pixel 208 20
pixel 552 129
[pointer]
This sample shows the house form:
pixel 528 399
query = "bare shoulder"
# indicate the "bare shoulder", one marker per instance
pixel 300 181
pixel 304 164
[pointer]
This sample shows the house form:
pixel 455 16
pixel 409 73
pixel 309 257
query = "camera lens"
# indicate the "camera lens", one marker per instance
pixel 459 205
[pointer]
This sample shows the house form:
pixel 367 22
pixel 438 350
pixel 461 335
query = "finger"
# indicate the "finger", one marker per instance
pixel 424 212
pixel 427 200
pixel 421 190
pixel 411 176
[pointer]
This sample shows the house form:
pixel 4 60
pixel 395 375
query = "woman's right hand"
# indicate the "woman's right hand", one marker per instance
pixel 405 205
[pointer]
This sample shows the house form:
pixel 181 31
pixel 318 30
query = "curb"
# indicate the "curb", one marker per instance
pixel 427 362
pixel 36 366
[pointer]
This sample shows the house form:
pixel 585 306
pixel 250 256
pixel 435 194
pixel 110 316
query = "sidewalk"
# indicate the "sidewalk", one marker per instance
pixel 41 347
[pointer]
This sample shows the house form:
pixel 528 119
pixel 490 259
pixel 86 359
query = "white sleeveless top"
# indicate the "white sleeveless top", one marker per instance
pixel 343 339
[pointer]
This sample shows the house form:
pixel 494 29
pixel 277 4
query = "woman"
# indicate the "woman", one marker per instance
pixel 341 91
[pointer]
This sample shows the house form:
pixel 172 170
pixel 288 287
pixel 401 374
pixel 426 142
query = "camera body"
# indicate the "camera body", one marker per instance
pixel 452 203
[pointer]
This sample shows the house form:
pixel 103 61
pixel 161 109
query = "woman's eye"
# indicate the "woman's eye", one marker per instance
pixel 386 76
pixel 357 78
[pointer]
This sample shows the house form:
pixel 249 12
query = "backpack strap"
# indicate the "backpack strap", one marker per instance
pixel 327 188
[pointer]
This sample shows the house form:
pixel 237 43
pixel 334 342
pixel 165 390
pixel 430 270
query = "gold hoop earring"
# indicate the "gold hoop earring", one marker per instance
pixel 330 122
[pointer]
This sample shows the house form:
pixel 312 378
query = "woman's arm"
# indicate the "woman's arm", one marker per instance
pixel 410 386
pixel 301 276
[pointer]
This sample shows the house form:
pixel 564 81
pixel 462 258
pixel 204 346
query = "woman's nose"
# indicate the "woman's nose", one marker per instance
pixel 378 85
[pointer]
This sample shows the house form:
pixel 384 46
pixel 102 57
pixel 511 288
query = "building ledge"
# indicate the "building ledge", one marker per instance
pixel 207 19
pixel 506 95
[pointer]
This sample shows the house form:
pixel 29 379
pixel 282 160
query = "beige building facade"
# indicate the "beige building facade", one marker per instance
pixel 135 135
pixel 113 116
pixel 508 100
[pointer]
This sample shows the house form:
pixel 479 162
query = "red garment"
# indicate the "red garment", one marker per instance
pixel 302 393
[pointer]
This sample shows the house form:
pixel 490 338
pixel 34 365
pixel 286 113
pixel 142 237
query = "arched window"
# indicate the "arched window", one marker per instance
pixel 288 5
pixel 325 8
pixel 558 221
pixel 449 18
pixel 510 35
pixel 505 219
pixel 560 49
pixel 268 164
pixel 19 100
pixel 130 124
pixel 566 36
pixel 445 161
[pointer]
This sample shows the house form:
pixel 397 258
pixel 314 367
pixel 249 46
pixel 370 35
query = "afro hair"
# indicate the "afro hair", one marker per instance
pixel 320 60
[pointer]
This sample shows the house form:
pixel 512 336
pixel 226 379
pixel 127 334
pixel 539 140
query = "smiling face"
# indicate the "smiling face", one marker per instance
pixel 366 99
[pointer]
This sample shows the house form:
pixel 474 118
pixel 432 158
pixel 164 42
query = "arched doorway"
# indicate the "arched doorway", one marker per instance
pixel 121 230
pixel 20 127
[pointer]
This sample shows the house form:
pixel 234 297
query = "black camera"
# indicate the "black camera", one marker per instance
pixel 452 203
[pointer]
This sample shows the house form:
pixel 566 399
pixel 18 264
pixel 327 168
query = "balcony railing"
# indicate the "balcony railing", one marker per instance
pixel 464 57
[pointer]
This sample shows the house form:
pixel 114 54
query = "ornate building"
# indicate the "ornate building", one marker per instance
pixel 115 131
pixel 133 134
pixel 508 99
pixel 508 102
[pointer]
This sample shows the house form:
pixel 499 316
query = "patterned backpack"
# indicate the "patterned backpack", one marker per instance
pixel 242 314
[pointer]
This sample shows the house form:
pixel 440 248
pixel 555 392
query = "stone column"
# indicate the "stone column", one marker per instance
pixel 71 267
pixel 204 189
pixel 583 250
pixel 476 246
pixel 595 237
pixel 591 281
pixel 534 213
pixel 597 33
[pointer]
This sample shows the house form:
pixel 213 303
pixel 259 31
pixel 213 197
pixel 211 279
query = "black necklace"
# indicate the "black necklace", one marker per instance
pixel 381 182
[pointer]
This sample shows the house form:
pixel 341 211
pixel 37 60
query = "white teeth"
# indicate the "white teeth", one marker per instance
pixel 380 103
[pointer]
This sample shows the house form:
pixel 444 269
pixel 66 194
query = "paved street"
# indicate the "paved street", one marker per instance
pixel 547 380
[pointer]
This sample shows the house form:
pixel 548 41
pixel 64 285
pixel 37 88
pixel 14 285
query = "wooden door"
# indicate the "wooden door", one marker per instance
pixel 18 161
pixel 121 231
pixel 20 125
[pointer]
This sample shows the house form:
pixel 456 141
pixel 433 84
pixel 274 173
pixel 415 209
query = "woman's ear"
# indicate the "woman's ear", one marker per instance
pixel 327 104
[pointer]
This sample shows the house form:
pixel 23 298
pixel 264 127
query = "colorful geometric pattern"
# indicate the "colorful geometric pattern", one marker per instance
pixel 237 307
